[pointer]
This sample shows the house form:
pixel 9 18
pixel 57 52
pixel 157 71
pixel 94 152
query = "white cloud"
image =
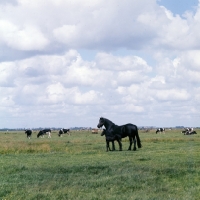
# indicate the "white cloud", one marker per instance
pixel 108 61
pixel 57 93
pixel 6 100
pixel 191 59
pixel 66 34
pixel 172 95
pixel 41 68
pixel 63 80
pixel 22 38
pixel 96 24
pixel 7 74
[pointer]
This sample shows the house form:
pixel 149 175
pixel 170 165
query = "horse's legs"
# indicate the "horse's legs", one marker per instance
pixel 107 146
pixel 130 139
pixel 134 142
pixel 120 145
pixel 113 146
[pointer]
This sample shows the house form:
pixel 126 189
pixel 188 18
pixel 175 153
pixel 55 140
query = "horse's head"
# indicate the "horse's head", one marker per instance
pixel 101 122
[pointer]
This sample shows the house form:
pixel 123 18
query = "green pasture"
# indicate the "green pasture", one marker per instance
pixel 78 167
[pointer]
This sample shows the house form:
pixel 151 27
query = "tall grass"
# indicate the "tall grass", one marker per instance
pixel 78 167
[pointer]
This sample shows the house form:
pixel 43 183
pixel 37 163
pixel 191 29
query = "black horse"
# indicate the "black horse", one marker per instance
pixel 127 130
pixel 111 138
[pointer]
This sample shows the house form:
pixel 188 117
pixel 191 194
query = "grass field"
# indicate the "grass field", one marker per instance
pixel 78 167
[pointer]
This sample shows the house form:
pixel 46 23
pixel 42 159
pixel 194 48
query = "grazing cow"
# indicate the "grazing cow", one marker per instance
pixel 127 130
pixel 189 131
pixel 49 134
pixel 160 130
pixel 95 131
pixel 44 132
pixel 40 134
pixel 185 131
pixel 28 132
pixel 63 131
pixel 111 138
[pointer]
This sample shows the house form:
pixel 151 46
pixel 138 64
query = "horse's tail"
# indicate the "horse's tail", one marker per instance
pixel 138 138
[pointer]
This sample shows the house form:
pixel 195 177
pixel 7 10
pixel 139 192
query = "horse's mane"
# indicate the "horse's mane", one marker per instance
pixel 108 120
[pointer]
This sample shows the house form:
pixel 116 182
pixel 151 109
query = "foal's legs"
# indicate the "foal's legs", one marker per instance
pixel 107 146
pixel 113 146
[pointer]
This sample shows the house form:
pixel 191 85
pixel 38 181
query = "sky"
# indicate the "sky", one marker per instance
pixel 67 63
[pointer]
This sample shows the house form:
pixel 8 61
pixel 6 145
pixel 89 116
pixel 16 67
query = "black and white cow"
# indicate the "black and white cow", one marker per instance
pixel 63 131
pixel 160 130
pixel 44 132
pixel 28 132
pixel 185 131
pixel 189 131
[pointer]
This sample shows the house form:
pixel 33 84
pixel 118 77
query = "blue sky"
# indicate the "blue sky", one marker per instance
pixel 179 6
pixel 67 63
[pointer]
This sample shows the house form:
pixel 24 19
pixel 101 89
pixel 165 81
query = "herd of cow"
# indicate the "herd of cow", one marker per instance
pixel 186 131
pixel 47 132
pixel 112 132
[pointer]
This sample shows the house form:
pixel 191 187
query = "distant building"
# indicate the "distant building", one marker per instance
pixel 179 127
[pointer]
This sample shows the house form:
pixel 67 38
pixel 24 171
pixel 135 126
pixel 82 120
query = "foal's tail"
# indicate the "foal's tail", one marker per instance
pixel 138 138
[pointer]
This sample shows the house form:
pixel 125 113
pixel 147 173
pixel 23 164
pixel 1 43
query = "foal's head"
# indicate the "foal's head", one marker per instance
pixel 103 132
